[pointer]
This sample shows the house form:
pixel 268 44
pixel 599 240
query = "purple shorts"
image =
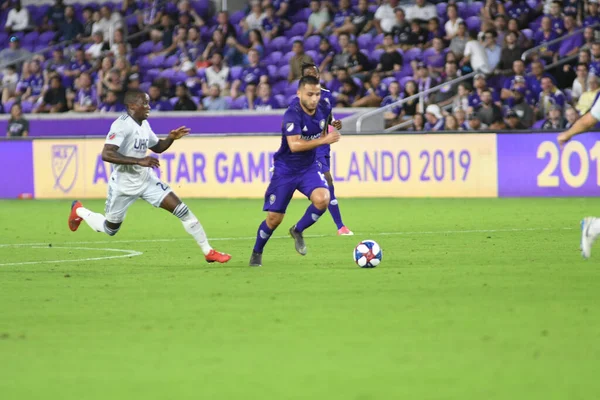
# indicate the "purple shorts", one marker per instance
pixel 323 162
pixel 282 188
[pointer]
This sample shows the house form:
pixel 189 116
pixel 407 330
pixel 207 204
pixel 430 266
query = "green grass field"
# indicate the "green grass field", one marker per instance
pixel 474 299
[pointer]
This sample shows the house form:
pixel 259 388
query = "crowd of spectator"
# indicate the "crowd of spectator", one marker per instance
pixel 370 53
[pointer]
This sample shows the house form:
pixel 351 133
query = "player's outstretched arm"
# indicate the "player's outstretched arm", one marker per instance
pixel 583 124
pixel 111 154
pixel 174 135
pixel 297 144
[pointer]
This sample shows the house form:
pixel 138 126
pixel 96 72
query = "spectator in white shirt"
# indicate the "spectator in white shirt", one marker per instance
pixel 17 19
pixel 451 26
pixel 385 16
pixel 108 22
pixel 318 20
pixel 421 10
pixel 216 74
pixel 255 18
pixel 475 55
pixel 580 84
pixel 96 50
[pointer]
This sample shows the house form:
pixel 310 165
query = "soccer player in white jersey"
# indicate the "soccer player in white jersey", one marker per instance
pixel 590 226
pixel 133 177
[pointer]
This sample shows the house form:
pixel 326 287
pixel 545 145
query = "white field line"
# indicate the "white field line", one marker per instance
pixel 408 233
pixel 127 253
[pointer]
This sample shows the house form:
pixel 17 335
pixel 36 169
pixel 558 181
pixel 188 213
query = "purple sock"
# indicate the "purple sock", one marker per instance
pixel 334 208
pixel 311 216
pixel 262 237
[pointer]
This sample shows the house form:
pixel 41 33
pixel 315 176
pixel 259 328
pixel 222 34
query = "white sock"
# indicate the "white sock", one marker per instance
pixel 192 226
pixel 595 227
pixel 94 220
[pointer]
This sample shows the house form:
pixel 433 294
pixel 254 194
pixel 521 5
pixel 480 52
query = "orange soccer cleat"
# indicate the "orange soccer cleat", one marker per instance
pixel 343 231
pixel 216 256
pixel 74 219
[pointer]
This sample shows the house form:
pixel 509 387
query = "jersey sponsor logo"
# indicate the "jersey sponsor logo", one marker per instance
pixel 140 144
pixel 289 126
pixel 64 166
pixel 112 136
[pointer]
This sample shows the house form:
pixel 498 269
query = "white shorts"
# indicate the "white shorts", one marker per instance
pixel 117 202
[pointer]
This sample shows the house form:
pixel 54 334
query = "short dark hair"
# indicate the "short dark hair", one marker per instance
pixel 308 80
pixel 133 95
pixel 306 66
pixel 299 42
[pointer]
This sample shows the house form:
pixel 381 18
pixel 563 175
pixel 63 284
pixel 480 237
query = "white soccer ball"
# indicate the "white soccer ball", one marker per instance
pixel 368 254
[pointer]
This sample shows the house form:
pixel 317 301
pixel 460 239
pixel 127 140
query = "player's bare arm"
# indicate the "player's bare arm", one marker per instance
pixel 583 124
pixel 174 135
pixel 110 153
pixel 297 144
pixel 337 124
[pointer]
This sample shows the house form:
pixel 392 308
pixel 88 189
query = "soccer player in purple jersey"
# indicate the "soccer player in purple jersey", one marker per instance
pixel 324 154
pixel 304 129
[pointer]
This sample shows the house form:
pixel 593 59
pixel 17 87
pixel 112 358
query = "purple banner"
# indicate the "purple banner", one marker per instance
pixel 198 122
pixel 533 165
pixel 16 167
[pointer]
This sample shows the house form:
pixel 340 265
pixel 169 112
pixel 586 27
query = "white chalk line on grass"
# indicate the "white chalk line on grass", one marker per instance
pixel 363 235
pixel 127 253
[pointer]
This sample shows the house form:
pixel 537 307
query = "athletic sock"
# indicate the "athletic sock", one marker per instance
pixel 334 208
pixel 94 220
pixel 262 237
pixel 311 216
pixel 595 227
pixel 192 226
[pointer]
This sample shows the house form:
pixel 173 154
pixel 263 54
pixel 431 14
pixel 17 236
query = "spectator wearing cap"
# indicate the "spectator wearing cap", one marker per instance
pixel 545 35
pixel 184 101
pixel 157 101
pixel 459 40
pixel 70 29
pixel 435 119
pixel 385 16
pixel 451 123
pixel 474 123
pixel 391 115
pixel 264 100
pixel 362 20
pixel 511 53
pixel 17 125
pixel 299 58
pixel 555 119
pixel 421 11
pixel 342 18
pixel 580 84
pixel 550 96
pixel 571 116
pixel 391 60
pixel 401 29
pixel 318 19
pixel 492 50
pixel 520 11
pixel 521 107
pixel 86 98
pixel 375 92
pixel 17 19
pixel 513 122
pixel 592 15
pixel 588 97
pixel 488 112
pixel 475 55
pixel 570 45
pixel 252 75
pixel 216 74
pixel 214 101
pixel 31 86
pixel 55 97
pixel 451 26
pixel 14 54
pixel 271 24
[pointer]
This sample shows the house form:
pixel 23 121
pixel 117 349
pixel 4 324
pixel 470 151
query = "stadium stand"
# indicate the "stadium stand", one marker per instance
pixel 483 63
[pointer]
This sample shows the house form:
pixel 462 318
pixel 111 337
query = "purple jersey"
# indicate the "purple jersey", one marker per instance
pixel 328 101
pixel 115 107
pixel 475 101
pixel 309 127
pixel 535 85
pixel 81 67
pixel 269 24
pixel 340 17
pixel 389 100
pixel 436 60
pixel 591 20
pixel 265 105
pixel 35 83
pixel 569 44
pixel 518 9
pixel 160 105
pixel 251 75
pixel 558 26
pixel 570 7
pixel 595 67
pixel 545 37
pixel 86 97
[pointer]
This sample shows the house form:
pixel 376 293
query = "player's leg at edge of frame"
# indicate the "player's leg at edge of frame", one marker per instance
pixel 590 229
pixel 171 203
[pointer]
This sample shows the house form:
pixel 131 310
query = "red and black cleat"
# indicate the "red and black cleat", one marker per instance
pixel 215 256
pixel 74 219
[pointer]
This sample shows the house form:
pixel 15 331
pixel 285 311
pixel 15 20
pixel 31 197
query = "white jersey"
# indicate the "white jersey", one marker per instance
pixel 133 140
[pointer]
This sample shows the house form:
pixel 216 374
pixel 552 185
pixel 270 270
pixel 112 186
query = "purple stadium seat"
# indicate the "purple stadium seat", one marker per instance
pixel 373 8
pixel 284 71
pixel 404 81
pixel 462 9
pixel 277 44
pixel 441 9
pixel 357 81
pixel 235 72
pixel 291 98
pixel 31 37
pixel 157 61
pixel 228 100
pixel 272 70
pixel 237 16
pixel 3 37
pixel 312 42
pixel 145 86
pixel 475 8
pixel 532 4
pixel 167 74
pixel 376 55
pixel 170 61
pixel 313 54
pixel 377 40
pixel 333 41
pixel 291 88
pixel 365 52
pixel 196 99
pixel 279 87
pixel 473 23
pixel 145 48
pixel 8 105
pixel 173 100
pixel 412 54
pixel 280 100
pixel 538 124
pixel 27 106
pixel 285 60
pixel 274 58
pixel 301 16
pixel 298 29
pixel 388 81
pixel 364 41
pixel 528 33
pixel 239 103
pixel 46 37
